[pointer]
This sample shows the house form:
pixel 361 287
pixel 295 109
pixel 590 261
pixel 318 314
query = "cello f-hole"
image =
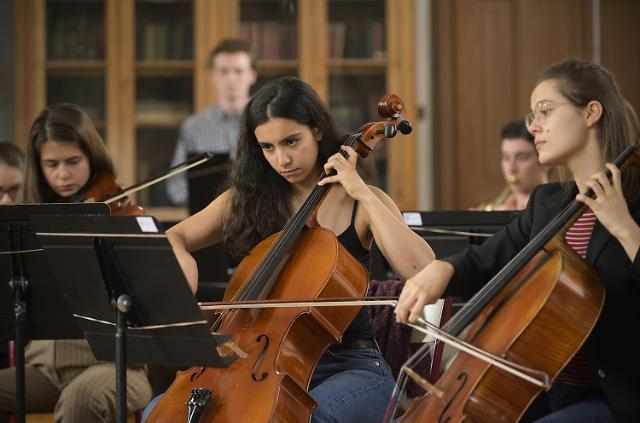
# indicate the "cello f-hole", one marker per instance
pixel 196 374
pixel 464 378
pixel 263 376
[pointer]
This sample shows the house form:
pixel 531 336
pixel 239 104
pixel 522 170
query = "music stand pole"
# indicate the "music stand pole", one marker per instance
pixel 123 305
pixel 19 286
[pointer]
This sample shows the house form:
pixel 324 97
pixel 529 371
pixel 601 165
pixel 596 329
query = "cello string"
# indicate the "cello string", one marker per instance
pixel 294 224
pixel 280 247
pixel 557 225
pixel 508 366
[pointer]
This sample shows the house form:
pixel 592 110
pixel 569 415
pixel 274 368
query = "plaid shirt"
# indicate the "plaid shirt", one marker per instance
pixel 208 131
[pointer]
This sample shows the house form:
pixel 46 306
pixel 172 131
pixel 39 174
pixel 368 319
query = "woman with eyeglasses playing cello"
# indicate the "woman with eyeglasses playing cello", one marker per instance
pixel 287 139
pixel 578 120
pixel 65 154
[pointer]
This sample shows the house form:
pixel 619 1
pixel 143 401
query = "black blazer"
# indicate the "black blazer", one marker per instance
pixel 614 363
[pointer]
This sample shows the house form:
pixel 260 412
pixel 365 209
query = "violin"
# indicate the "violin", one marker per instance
pixel 276 349
pixel 104 188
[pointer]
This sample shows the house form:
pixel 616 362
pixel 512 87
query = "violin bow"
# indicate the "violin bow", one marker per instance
pixel 201 158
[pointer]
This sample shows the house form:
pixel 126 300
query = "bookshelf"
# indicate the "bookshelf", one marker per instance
pixel 139 68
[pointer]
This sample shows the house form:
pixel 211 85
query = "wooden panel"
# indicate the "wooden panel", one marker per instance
pixel 488 53
pixel 444 106
pixel 29 92
pixel 620 47
pixel 485 86
pixel 312 45
pixel 120 88
pixel 401 80
pixel 213 21
pixel 549 31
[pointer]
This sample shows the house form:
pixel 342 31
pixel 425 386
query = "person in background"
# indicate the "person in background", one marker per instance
pixel 215 130
pixel 11 176
pixel 11 172
pixel 579 122
pixel 521 169
pixel 64 153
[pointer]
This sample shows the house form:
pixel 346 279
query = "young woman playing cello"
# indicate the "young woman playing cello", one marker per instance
pixel 64 151
pixel 578 121
pixel 287 139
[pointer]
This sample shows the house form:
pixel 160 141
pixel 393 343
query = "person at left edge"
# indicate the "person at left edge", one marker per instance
pixel 64 153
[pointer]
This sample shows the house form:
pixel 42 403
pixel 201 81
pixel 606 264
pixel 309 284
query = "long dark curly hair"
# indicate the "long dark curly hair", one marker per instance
pixel 259 196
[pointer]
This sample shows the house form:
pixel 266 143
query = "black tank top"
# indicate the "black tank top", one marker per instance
pixel 361 327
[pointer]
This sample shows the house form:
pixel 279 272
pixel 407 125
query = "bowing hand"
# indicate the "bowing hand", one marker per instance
pixel 425 287
pixel 345 173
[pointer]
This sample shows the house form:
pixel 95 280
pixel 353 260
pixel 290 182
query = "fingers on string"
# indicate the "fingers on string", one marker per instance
pixel 352 156
pixel 329 180
pixel 596 184
pixel 615 176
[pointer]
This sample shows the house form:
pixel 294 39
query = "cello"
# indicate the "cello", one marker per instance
pixel 533 317
pixel 279 348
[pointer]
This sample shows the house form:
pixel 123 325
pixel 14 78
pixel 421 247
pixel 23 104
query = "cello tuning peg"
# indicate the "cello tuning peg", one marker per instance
pixel 390 130
pixel 405 127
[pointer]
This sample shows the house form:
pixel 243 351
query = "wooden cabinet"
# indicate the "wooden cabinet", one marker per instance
pixel 138 67
pixel 488 56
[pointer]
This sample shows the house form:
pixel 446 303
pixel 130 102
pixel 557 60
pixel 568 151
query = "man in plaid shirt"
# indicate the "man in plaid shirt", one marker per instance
pixel 215 130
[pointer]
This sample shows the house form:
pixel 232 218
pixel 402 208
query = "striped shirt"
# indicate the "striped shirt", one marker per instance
pixel 578 372
pixel 208 131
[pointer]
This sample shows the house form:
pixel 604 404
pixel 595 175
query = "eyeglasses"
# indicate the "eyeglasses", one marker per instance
pixel 541 112
pixel 12 192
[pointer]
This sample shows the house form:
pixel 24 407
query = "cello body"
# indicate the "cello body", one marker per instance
pixel 535 313
pixel 283 345
pixel 539 320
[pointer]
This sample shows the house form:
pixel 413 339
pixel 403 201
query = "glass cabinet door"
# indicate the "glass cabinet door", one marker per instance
pixel 164 87
pixel 357 69
pixel 75 56
pixel 270 27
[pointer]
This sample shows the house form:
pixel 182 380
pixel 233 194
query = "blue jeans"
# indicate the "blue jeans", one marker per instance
pixel 351 385
pixel 565 403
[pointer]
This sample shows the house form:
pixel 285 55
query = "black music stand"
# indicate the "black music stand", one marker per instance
pixel 121 277
pixel 206 182
pixel 447 232
pixel 32 305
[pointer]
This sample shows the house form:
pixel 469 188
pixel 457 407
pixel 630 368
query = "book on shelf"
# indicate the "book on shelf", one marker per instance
pixel 337 32
pixel 365 40
pixel 158 112
pixel 165 41
pixel 270 40
pixel 75 37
